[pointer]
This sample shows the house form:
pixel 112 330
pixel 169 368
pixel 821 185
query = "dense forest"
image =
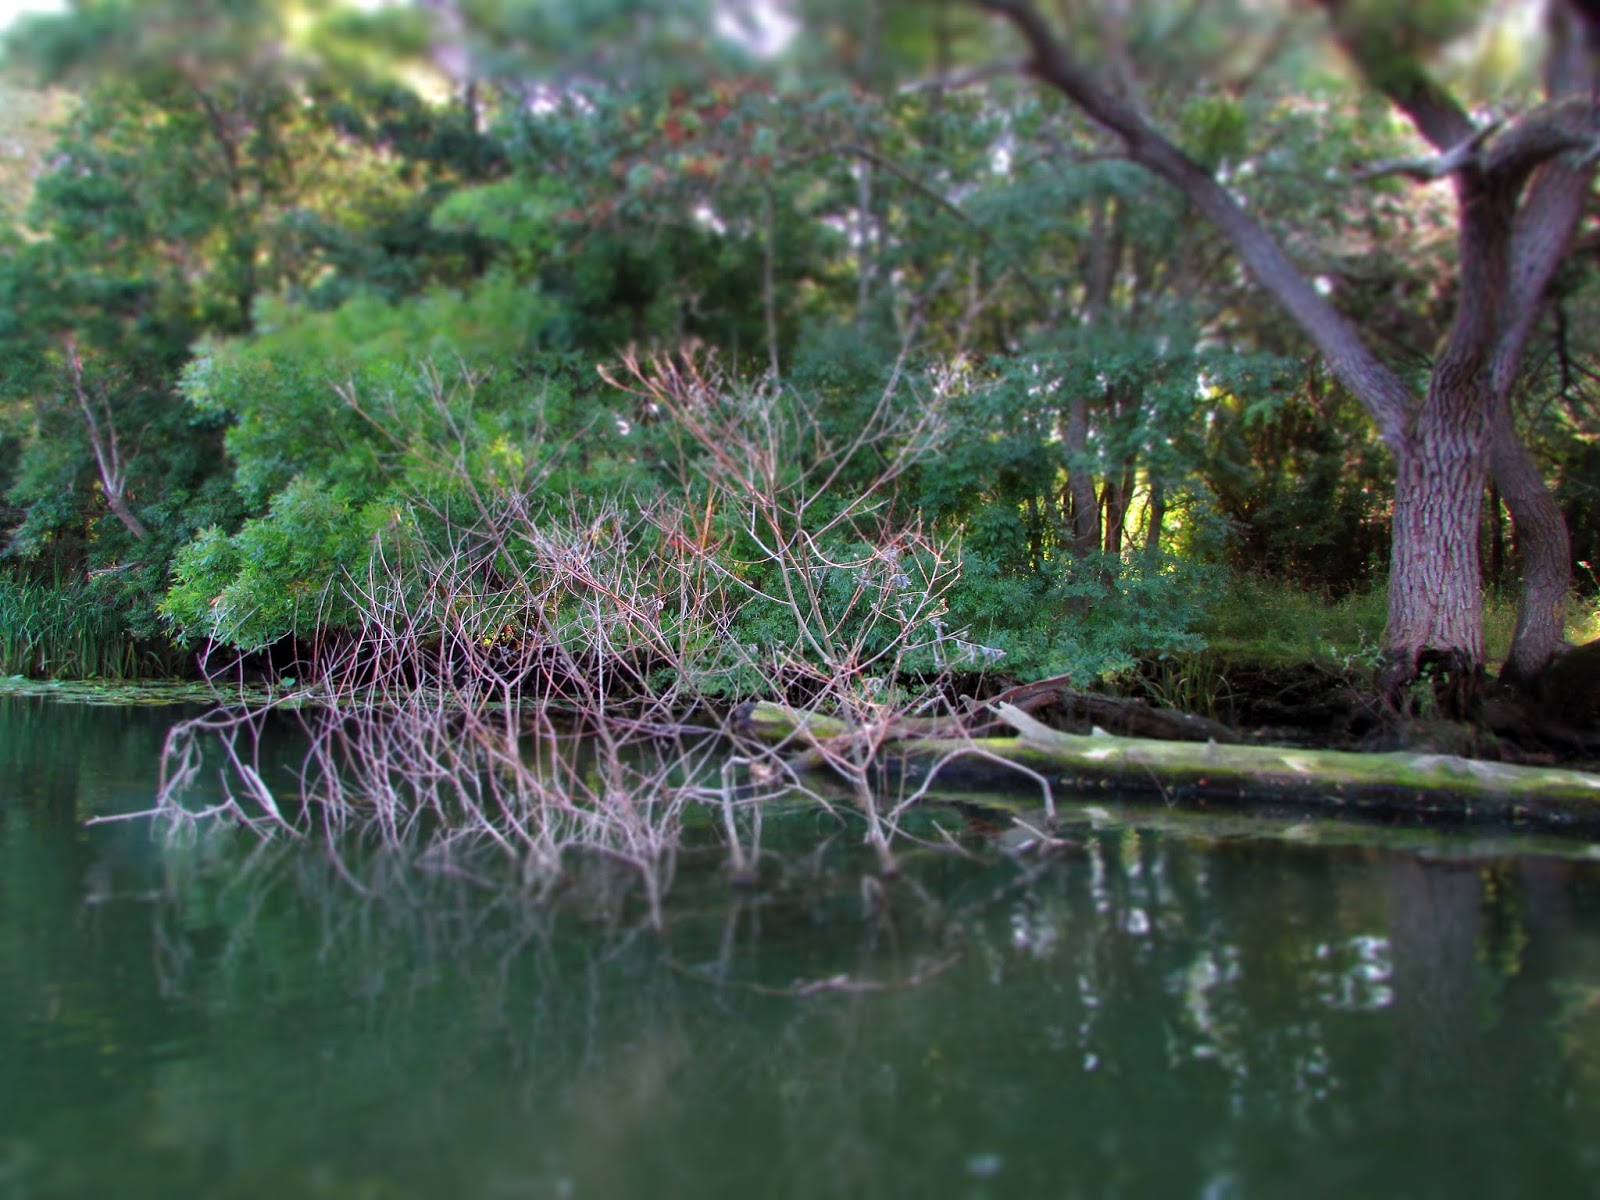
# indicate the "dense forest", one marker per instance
pixel 730 342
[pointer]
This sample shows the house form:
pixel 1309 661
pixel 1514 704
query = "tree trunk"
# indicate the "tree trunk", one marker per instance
pixel 1511 235
pixel 1435 590
pixel 100 424
pixel 1546 550
pixel 1080 482
pixel 1550 214
pixel 1207 774
pixel 1116 509
pixel 1157 518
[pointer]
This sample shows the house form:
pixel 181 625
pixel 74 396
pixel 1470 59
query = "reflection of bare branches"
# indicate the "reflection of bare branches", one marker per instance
pixel 833 983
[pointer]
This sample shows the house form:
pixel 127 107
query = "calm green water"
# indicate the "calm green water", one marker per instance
pixel 1165 1012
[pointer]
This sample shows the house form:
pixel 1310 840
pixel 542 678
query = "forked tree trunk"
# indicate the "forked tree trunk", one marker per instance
pixel 1519 188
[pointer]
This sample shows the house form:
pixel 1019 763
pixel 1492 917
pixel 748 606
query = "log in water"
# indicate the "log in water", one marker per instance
pixel 1440 787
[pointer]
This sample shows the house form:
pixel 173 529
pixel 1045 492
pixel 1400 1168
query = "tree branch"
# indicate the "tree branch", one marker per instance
pixel 104 442
pixel 1425 170
pixel 1380 390
pixel 1550 131
pixel 1540 238
pixel 1399 75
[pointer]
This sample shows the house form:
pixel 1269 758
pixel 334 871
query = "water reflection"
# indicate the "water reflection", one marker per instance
pixel 1146 1012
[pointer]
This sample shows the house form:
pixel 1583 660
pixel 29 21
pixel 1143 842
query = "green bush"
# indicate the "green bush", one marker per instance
pixel 1273 621
pixel 1087 618
pixel 284 573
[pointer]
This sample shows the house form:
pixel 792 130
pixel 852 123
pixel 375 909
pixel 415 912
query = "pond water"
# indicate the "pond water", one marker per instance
pixel 1170 1007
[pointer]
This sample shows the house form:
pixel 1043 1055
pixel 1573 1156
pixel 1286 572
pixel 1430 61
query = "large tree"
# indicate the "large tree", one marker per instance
pixel 1519 186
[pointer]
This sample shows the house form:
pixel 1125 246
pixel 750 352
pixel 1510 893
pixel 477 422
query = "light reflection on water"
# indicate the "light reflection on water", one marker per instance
pixel 1165 1008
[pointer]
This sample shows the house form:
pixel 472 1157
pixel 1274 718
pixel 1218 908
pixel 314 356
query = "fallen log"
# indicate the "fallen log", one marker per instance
pixel 1115 714
pixel 1435 787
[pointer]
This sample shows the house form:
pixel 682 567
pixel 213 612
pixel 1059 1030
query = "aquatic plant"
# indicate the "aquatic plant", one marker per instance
pixel 69 631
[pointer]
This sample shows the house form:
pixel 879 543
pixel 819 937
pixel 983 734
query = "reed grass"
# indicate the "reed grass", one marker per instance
pixel 49 631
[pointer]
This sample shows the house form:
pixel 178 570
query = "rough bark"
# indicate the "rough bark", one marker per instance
pixel 1521 197
pixel 1542 232
pixel 1435 599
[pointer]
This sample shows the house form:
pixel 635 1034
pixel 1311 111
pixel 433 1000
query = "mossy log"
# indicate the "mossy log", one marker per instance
pixel 1435 787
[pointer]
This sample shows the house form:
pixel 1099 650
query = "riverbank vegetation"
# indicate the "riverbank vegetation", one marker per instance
pixel 470 364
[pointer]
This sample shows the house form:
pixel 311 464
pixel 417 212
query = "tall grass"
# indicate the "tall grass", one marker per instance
pixel 1272 621
pixel 61 632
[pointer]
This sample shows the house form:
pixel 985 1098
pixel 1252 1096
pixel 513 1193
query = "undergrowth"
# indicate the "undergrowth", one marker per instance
pixel 64 631
pixel 1275 623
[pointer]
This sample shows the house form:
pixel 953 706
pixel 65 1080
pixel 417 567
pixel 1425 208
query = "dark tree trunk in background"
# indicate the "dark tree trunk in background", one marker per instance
pixel 1497 539
pixel 1116 498
pixel 1156 517
pixel 1084 503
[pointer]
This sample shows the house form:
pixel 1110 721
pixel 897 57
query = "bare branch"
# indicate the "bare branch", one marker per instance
pixel 101 427
pixel 1426 170
pixel 1554 130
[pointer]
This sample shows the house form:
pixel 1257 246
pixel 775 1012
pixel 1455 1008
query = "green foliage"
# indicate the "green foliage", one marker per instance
pixel 1279 621
pixel 324 314
pixel 287 573
pixel 519 214
pixel 1215 129
pixel 1275 620
pixel 381 407
pixel 173 204
pixel 1093 617
pixel 345 394
pixel 1583 626
pixel 1301 482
